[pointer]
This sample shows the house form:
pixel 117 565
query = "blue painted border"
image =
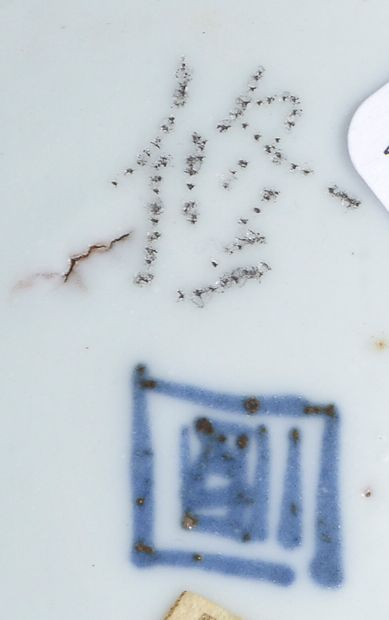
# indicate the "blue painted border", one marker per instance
pixel 326 565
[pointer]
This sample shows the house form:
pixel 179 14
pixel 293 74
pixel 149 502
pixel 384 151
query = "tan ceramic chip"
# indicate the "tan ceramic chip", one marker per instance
pixel 191 606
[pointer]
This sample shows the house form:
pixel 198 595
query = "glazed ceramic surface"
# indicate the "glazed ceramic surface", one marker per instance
pixel 194 310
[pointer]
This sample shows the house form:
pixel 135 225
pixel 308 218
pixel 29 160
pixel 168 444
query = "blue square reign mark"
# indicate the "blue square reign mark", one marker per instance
pixel 237 508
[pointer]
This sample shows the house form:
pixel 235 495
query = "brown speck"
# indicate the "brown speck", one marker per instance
pixel 262 429
pixel 189 522
pixel 141 369
pixel 148 384
pixel 142 548
pixel 295 435
pixel 242 441
pixel 203 425
pixel 381 344
pixel 140 501
pixel 246 537
pixel 317 410
pixel 114 183
pixel 251 405
pixel 367 493
pixel 293 509
pixel 197 557
pixel 222 438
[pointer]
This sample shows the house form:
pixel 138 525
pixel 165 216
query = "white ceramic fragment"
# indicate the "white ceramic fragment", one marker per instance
pixel 368 142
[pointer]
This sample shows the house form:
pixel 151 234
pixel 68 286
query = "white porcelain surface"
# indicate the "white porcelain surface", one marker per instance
pixel 85 87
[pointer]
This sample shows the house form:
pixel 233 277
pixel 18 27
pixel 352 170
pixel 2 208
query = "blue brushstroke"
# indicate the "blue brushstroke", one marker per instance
pixel 142 466
pixel 326 566
pixel 279 574
pixel 290 526
pixel 259 527
pixel 269 405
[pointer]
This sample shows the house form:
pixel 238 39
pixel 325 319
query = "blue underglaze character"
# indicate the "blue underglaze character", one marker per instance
pixel 225 491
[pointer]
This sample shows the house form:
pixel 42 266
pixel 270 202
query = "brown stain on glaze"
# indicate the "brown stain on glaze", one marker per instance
pixel 205 426
pixel 380 344
pixel 189 521
pixel 148 384
pixel 242 441
pixel 295 435
pixel 328 410
pixel 251 405
pixel 142 548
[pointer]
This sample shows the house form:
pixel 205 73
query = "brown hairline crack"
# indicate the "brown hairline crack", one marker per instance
pixel 92 249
